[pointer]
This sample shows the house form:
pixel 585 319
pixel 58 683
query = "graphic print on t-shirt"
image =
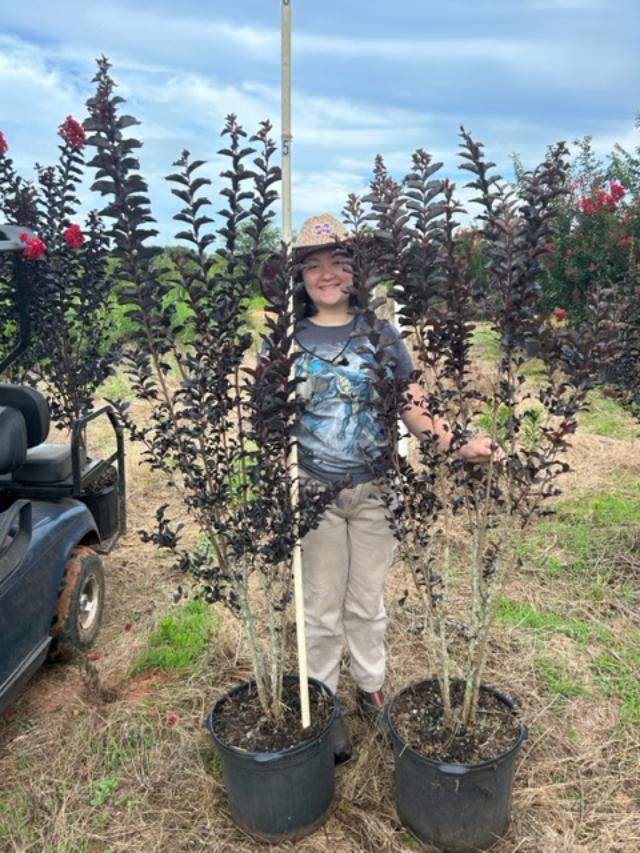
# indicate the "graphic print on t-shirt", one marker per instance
pixel 338 431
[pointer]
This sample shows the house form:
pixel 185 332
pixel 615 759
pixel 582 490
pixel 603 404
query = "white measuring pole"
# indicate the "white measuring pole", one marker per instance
pixel 293 459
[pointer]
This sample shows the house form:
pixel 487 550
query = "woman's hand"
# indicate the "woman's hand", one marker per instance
pixel 481 450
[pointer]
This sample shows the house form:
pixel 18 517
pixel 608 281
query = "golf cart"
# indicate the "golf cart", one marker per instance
pixel 59 509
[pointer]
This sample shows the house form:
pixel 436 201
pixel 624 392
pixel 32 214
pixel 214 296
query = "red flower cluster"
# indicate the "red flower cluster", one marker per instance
pixel 72 132
pixel 34 247
pixel 172 719
pixel 560 314
pixel 3 144
pixel 73 237
pixel 604 200
pixel 625 241
pixel 617 191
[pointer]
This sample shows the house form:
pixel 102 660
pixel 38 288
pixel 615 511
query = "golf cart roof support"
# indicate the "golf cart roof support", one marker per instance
pixel 10 242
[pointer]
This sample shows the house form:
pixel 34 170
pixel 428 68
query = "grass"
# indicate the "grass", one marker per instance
pixel 486 342
pixel 103 789
pixel 523 615
pixel 619 508
pixel 590 543
pixel 556 679
pixel 15 819
pixel 606 417
pixel 613 675
pixel 581 528
pixel 179 640
pixel 113 750
pixel 257 302
pixel 617 674
pixel 116 387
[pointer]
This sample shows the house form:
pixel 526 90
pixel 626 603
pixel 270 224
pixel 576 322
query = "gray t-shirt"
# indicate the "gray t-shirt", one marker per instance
pixel 338 435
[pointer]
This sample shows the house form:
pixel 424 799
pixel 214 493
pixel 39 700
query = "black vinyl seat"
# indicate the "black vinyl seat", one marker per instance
pixel 32 406
pixel 13 440
pixel 42 463
pixel 46 463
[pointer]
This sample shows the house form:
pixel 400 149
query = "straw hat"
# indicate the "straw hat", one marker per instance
pixel 319 232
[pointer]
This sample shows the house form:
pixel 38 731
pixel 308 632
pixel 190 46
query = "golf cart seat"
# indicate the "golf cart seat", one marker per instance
pixel 43 463
pixel 13 440
pixel 15 520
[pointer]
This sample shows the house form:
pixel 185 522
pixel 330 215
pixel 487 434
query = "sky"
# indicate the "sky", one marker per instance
pixel 369 77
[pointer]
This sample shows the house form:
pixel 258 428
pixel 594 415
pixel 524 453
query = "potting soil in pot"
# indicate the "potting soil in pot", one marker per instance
pixel 417 716
pixel 107 478
pixel 241 722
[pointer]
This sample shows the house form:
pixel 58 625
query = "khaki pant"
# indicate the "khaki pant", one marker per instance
pixel 345 562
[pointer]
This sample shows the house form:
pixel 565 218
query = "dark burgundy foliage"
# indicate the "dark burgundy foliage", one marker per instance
pixel 420 251
pixel 219 419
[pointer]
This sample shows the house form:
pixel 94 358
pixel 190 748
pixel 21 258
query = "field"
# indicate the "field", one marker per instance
pixel 111 754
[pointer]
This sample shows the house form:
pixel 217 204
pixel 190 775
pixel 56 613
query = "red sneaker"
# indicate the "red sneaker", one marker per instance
pixel 371 705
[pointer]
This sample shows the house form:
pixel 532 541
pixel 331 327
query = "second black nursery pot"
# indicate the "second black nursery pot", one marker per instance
pixel 275 796
pixel 462 808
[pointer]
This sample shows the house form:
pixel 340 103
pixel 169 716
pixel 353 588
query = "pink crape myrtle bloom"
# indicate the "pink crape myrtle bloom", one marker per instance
pixel 605 202
pixel 72 132
pixel 3 144
pixel 73 237
pixel 560 314
pixel 617 190
pixel 34 247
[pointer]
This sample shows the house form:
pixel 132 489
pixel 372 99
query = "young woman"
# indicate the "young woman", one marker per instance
pixel 346 559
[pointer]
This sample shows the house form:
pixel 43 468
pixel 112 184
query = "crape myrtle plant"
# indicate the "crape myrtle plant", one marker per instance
pixel 626 355
pixel 219 428
pixel 66 264
pixel 596 239
pixel 435 293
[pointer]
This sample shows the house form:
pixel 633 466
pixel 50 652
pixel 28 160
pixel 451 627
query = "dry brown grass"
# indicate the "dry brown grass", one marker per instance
pixel 81 775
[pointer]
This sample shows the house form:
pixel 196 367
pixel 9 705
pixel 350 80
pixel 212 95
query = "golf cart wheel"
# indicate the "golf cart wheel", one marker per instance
pixel 78 613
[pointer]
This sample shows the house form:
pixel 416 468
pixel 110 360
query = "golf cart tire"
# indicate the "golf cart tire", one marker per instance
pixel 80 604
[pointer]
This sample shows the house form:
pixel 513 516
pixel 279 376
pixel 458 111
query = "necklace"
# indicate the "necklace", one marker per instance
pixel 338 360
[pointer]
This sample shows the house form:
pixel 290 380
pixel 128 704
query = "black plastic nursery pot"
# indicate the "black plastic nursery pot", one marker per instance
pixel 277 796
pixel 104 507
pixel 462 808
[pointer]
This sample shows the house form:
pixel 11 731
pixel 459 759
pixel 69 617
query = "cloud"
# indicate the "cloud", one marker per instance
pixel 415 51
pixel 140 37
pixel 165 39
pixel 518 75
pixel 324 191
pixel 604 140
pixel 34 99
pixel 28 81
